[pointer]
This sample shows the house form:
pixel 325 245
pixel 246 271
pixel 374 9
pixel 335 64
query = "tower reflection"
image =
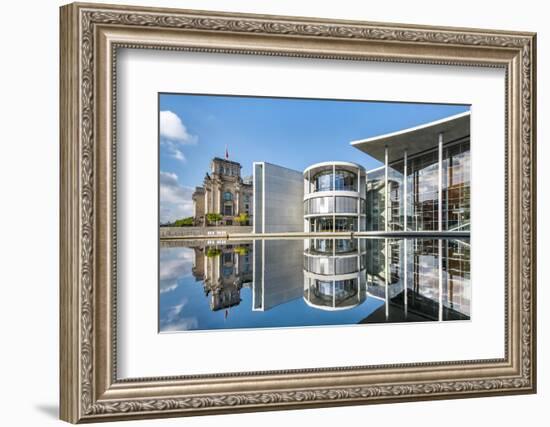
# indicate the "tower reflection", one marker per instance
pixel 334 273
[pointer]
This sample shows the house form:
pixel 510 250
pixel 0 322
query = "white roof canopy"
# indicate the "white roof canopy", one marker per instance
pixel 415 139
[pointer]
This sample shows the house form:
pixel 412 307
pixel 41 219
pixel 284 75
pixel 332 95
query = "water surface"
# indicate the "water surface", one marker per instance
pixel 212 285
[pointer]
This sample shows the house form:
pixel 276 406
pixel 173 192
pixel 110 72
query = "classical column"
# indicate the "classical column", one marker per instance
pixel 215 197
pixel 220 198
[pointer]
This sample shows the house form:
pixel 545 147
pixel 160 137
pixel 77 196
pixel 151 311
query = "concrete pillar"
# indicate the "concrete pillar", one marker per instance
pixel 405 192
pixel 405 273
pixel 359 199
pixel 333 198
pixel 440 184
pixel 440 268
pixel 386 277
pixel 386 191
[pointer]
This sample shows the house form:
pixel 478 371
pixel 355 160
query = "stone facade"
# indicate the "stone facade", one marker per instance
pixel 223 192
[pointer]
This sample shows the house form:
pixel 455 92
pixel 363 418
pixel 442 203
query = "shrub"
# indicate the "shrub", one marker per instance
pixel 184 222
pixel 213 252
pixel 213 217
pixel 242 219
pixel 241 250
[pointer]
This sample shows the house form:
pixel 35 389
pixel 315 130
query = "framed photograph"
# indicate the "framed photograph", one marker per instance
pixel 267 212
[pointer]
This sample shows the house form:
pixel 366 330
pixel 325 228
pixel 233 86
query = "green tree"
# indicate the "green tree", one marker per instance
pixel 213 252
pixel 213 218
pixel 241 250
pixel 184 222
pixel 242 219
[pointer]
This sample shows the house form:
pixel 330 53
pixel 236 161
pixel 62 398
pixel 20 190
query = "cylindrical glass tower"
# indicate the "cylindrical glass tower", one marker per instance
pixel 334 197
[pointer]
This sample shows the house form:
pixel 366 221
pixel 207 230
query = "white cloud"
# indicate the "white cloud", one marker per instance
pixel 184 324
pixel 175 264
pixel 173 320
pixel 171 127
pixel 174 134
pixel 175 200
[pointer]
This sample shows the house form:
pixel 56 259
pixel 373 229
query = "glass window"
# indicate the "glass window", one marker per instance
pixel 457 288
pixel 375 201
pixel 227 196
pixel 423 182
pixel 319 205
pixel 323 181
pixel 345 181
pixel 456 187
pixel 346 224
pixel 346 205
pixel 321 224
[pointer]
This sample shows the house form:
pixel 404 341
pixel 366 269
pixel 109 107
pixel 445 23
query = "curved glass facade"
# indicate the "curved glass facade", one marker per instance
pixel 330 223
pixel 330 246
pixel 319 205
pixel 334 212
pixel 331 265
pixel 333 294
pixel 340 180
pixel 333 204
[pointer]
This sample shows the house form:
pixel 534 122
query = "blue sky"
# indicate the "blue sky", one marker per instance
pixel 289 132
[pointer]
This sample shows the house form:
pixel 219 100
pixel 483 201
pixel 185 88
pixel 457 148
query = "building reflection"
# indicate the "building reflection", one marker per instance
pixel 278 275
pixel 224 270
pixel 334 273
pixel 419 279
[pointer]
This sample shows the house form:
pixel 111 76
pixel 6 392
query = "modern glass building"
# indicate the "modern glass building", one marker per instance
pixel 424 184
pixel 334 197
pixel 421 190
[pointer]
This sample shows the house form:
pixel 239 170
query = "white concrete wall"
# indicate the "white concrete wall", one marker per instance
pixel 257 195
pixel 278 199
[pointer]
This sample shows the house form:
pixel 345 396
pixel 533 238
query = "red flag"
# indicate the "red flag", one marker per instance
pixel 226 153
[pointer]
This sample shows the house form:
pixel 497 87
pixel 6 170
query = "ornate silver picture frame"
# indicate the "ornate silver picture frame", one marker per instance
pixel 91 37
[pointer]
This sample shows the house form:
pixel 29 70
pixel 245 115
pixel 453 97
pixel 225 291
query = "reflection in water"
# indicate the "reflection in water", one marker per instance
pixel 313 282
pixel 334 273
pixel 223 270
